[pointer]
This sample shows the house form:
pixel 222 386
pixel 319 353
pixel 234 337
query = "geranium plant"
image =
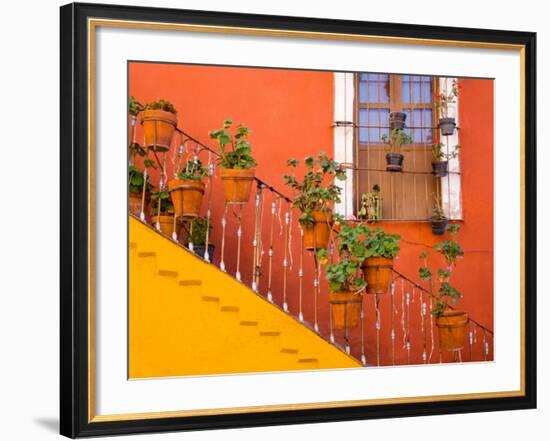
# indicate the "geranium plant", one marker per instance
pixel 382 248
pixel 235 150
pixel 447 124
pixel 194 171
pixel 352 251
pixel 161 104
pixel 450 250
pixel 439 154
pixel 396 139
pixel 162 197
pixel 443 100
pixel 344 276
pixel 136 177
pixel 134 106
pixel 382 244
pixel 316 191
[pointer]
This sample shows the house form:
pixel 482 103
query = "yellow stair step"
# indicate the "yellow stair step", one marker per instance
pixel 168 273
pixel 147 254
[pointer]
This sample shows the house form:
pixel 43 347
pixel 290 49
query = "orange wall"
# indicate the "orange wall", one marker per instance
pixel 290 114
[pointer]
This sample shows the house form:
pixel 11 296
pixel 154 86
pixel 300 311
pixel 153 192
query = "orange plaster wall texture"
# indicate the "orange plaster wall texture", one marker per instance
pixel 290 114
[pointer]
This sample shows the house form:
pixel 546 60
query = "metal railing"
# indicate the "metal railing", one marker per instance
pixel 261 244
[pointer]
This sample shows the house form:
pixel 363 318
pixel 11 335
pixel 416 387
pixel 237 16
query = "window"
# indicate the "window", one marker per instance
pixel 408 195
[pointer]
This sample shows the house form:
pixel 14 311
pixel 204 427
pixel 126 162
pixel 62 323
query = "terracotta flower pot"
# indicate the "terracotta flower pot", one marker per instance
pixel 186 197
pixel 237 184
pixel 317 235
pixel 158 128
pixel 451 325
pixel 377 273
pixel 345 308
pixel 134 203
pixel 166 222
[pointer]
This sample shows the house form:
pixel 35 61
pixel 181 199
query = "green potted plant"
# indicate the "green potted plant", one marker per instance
pixel 137 180
pixel 394 158
pixel 451 323
pixel 447 124
pixel 163 212
pixel 236 163
pixel 440 161
pixel 344 277
pixel 371 205
pixel 314 197
pixel 134 107
pixel 377 267
pixel 397 120
pixel 438 220
pixel 199 231
pixel 159 120
pixel 187 189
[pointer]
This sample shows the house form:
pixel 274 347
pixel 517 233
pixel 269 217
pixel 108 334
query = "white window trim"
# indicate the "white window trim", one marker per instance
pixel 451 190
pixel 344 102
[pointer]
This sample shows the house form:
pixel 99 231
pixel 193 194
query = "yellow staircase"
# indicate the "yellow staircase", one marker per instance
pixel 186 317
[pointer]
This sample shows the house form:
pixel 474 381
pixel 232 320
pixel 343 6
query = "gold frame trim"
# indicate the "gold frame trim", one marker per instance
pixel 92 25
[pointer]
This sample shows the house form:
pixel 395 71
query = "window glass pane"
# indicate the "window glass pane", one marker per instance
pixel 374 88
pixel 406 91
pixel 363 132
pixel 373 92
pixel 385 122
pixel 427 92
pixel 363 98
pixel 377 120
pixel 416 89
pixel 416 92
pixel 421 121
pixel 427 122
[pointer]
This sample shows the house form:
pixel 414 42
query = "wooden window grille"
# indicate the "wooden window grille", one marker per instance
pixel 409 195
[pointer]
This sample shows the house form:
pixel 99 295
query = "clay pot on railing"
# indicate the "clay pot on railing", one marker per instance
pixel 134 203
pixel 237 184
pixel 439 225
pixel 186 197
pixel 377 272
pixel 394 162
pixel 345 308
pixel 317 236
pixel 451 325
pixel 440 168
pixel 397 120
pixel 158 128
pixel 166 222
pixel 447 126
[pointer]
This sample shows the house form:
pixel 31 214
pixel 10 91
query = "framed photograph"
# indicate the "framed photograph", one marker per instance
pixel 274 220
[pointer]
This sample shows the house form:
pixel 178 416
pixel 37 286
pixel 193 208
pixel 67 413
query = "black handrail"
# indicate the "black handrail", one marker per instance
pixel 416 285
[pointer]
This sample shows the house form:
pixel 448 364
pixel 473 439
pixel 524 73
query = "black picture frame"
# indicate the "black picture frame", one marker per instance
pixel 74 355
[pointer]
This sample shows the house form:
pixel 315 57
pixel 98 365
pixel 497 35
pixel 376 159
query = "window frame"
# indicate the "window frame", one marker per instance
pixel 453 204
